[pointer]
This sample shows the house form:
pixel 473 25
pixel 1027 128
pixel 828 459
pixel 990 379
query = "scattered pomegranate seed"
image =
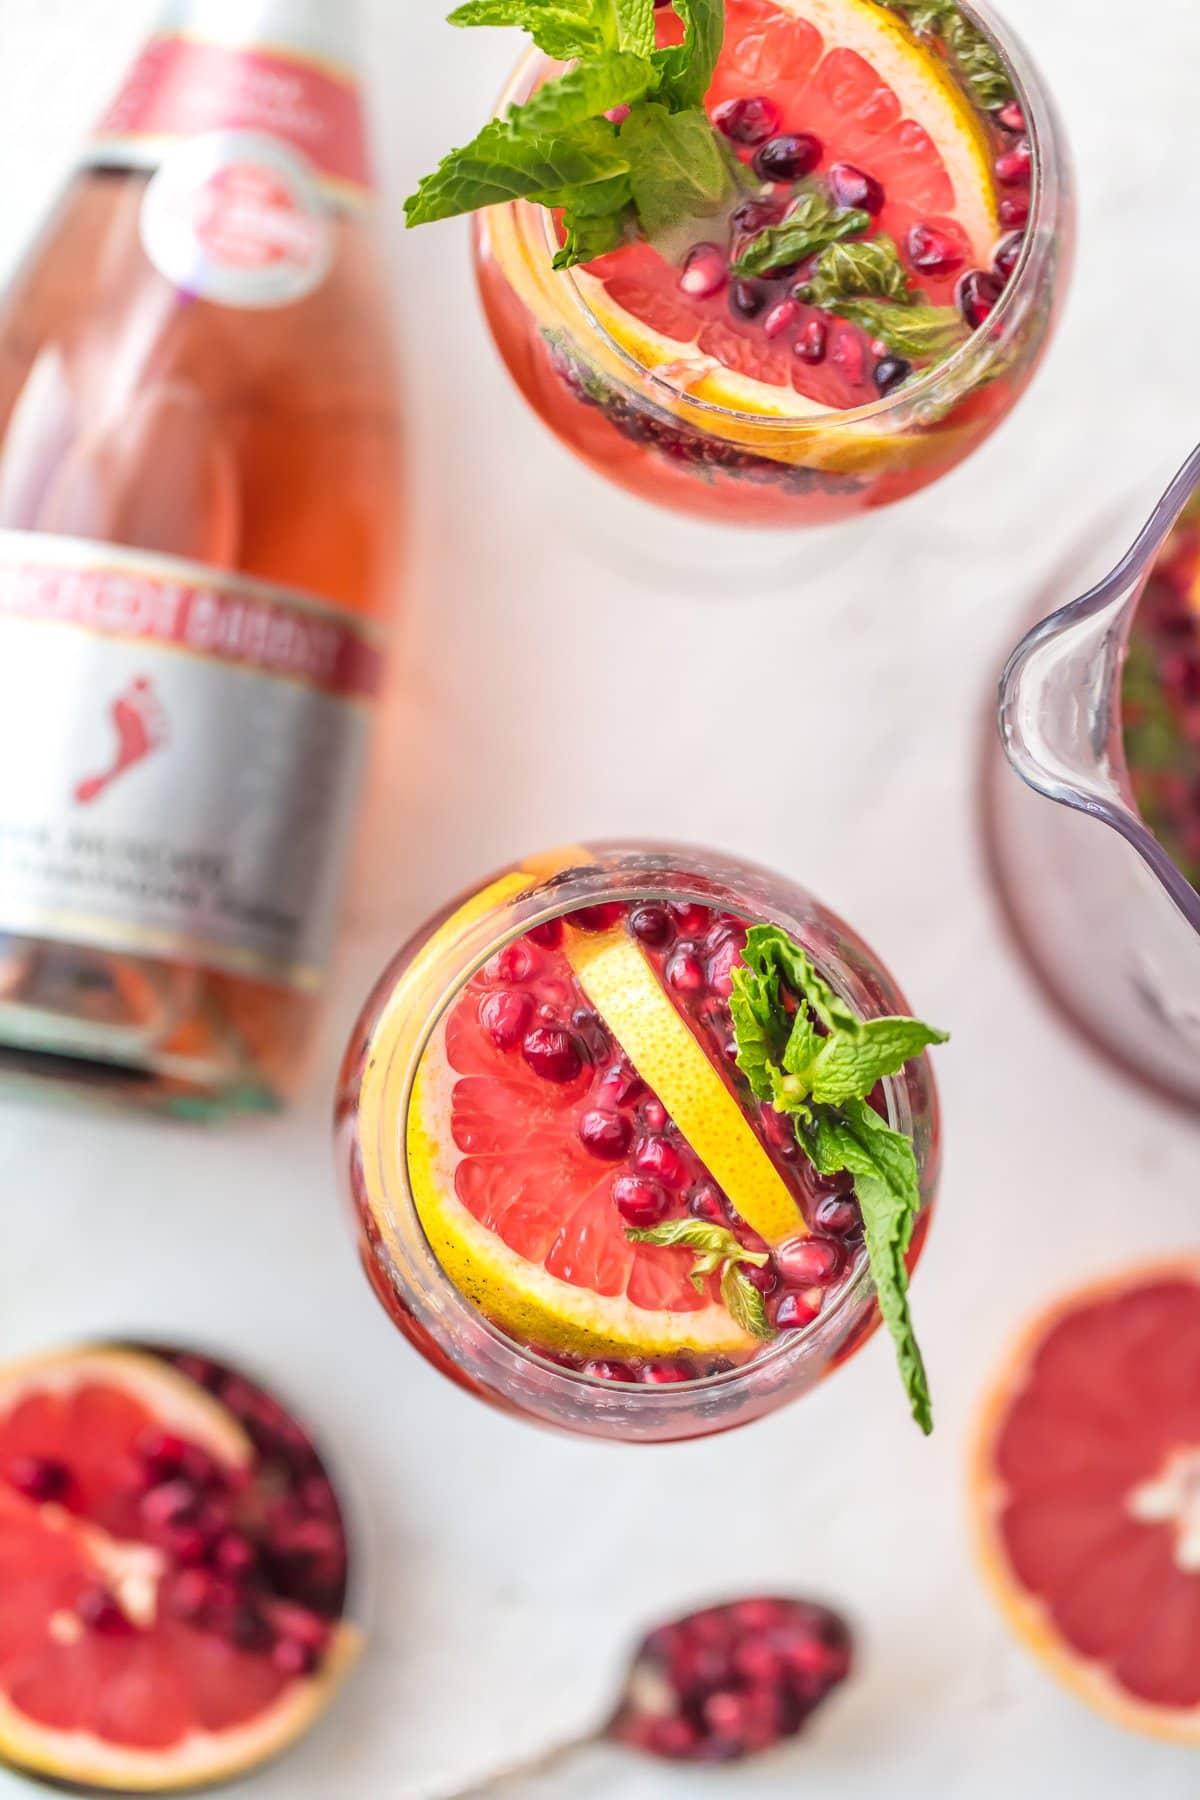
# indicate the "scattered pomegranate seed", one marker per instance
pixel 788 157
pixel 692 918
pixel 100 1613
pixel 160 1453
pixel 753 216
pixel 652 924
pixel 654 1115
pixel 794 1311
pixel 168 1503
pixel 812 342
pixel 188 1594
pixel 764 1279
pixel 662 1374
pixel 609 1371
pixel 890 371
pixel 515 963
pixel 685 972
pixel 934 251
pixel 1014 167
pixel 705 1202
pixel 39 1477
pixel 809 1261
pixel 848 355
pixel 781 318
pixel 639 1202
pixel 505 1017
pixel 548 934
pixel 1010 116
pixel 724 960
pixel 1007 253
pixel 704 272
pixel 747 299
pixel 293 1658
pixel 235 1555
pixel 619 1085
pixel 605 1135
pixel 658 1157
pixel 552 1053
pixel 854 187
pixel 748 120
pixel 837 1215
pixel 599 917
pixel 977 295
pixel 1014 212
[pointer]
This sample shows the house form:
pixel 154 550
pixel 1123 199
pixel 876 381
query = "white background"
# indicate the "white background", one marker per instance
pixel 819 709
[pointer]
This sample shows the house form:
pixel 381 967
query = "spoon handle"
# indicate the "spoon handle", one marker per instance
pixel 526 1768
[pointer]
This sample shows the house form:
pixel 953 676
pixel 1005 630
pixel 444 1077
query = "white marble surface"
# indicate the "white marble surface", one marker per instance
pixel 553 691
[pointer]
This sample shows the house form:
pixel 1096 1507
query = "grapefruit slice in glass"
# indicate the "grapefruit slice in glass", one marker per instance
pixel 1086 1496
pixel 150 1638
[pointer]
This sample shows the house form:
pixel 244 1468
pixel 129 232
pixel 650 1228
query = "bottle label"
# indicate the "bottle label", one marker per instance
pixel 183 87
pixel 199 810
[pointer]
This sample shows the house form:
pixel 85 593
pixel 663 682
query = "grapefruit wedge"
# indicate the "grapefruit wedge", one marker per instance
pixel 140 1632
pixel 1086 1496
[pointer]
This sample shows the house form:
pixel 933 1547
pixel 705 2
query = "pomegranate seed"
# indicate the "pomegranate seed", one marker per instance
pixel 1007 252
pixel 890 371
pixel 781 318
pixel 599 917
pixel 848 355
pixel 293 1658
pixel 788 157
pixel 705 1202
pixel 592 1032
pixel 675 1738
pixel 693 918
pixel 619 1085
pixel 189 1592
pixel 753 216
pixel 552 1053
pixel 685 972
pixel 609 1371
pixel 795 1310
pixel 548 934
pixel 748 120
pixel 298 1623
pixel 660 1374
pixel 1014 212
pixel 200 1468
pixel 652 925
pixel 39 1477
pixel 764 1279
pixel 249 1630
pixel 1014 167
pixel 639 1202
pixel 976 296
pixel 934 251
pixel 853 187
pixel 704 273
pixel 811 345
pixel 721 964
pixel 161 1453
pixel 100 1612
pixel 654 1115
pixel 837 1215
pixel 235 1555
pixel 505 1017
pixel 657 1156
pixel 605 1135
pixel 189 1544
pixel 809 1261
pixel 516 962
pixel 168 1503
pixel 1010 116
pixel 747 299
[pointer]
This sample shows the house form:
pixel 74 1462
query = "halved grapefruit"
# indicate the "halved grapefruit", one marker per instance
pixel 1086 1495
pixel 150 1638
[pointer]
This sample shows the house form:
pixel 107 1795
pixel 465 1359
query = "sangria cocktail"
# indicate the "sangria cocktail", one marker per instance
pixel 801 268
pixel 634 1137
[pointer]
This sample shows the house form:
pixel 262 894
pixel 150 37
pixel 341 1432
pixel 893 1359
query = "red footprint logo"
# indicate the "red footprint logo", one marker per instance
pixel 141 727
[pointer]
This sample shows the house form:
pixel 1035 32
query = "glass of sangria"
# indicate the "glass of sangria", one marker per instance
pixel 849 315
pixel 568 1191
pixel 1100 711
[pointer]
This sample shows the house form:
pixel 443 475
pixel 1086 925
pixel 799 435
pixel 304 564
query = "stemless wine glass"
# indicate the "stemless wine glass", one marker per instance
pixel 1107 919
pixel 405 1015
pixel 648 425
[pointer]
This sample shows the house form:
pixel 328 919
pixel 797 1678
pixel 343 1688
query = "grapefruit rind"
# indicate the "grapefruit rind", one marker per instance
pixel 617 978
pixel 523 1299
pixel 202 1757
pixel 1027 1616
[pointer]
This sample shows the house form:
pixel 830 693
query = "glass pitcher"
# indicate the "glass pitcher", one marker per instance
pixel 1106 918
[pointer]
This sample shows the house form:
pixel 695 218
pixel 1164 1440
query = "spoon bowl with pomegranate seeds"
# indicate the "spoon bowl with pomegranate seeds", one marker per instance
pixel 174 1564
pixel 858 296
pixel 1100 711
pixel 571 1190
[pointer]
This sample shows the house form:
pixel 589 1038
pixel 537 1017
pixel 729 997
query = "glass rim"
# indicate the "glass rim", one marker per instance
pixel 1046 183
pixel 512 1360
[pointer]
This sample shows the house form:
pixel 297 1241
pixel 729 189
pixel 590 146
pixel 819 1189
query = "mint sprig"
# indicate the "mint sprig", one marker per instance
pixel 813 224
pixel 806 1053
pixel 658 170
pixel 716 1248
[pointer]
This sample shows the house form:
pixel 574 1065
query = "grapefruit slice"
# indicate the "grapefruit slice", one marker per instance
pixel 1086 1496
pixel 853 74
pixel 147 1597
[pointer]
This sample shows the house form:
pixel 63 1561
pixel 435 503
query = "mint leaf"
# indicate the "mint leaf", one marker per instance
pixel 743 1302
pixel 502 164
pixel 635 25
pixel 848 1064
pixel 979 62
pixel 582 93
pixel 917 330
pixel 812 225
pixel 884 1166
pixel 870 268
pixel 696 1234
pixel 676 169
pixel 687 68
pixel 564 29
